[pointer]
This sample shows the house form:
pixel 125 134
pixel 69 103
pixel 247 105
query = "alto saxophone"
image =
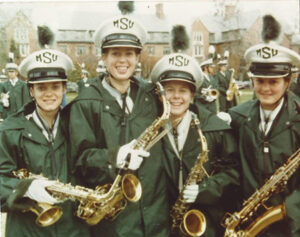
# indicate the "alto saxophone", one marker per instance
pixel 192 222
pixel 232 88
pixel 126 186
pixel 49 214
pixel 242 223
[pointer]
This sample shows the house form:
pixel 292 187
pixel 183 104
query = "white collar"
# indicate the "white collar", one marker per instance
pixel 182 130
pixel 13 81
pixel 206 76
pixel 116 94
pixel 38 122
pixel 269 116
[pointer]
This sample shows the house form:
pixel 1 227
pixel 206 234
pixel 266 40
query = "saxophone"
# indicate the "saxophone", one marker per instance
pixel 126 186
pixel 48 214
pixel 232 88
pixel 192 222
pixel 242 223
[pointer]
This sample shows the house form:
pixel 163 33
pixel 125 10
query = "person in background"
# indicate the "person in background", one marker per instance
pixel 268 127
pixel 33 139
pixel 14 91
pixel 84 82
pixel 212 195
pixel 104 122
pixel 295 81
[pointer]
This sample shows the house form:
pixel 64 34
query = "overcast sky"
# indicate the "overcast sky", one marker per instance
pixel 178 11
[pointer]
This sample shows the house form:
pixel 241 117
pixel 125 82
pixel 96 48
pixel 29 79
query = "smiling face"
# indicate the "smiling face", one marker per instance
pixel 48 96
pixel 120 62
pixel 180 95
pixel 269 91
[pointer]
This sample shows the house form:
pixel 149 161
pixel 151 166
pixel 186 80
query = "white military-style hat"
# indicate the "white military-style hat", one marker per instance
pixel 208 62
pixel 121 31
pixel 46 65
pixel 101 67
pixel 11 67
pixel 223 62
pixel 177 67
pixel 270 60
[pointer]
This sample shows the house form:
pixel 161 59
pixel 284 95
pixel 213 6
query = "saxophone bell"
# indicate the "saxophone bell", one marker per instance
pixel 131 187
pixel 47 214
pixel 193 223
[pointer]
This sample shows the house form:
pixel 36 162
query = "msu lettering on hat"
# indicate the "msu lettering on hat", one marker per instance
pixel 121 31
pixel 46 65
pixel 270 60
pixel 177 67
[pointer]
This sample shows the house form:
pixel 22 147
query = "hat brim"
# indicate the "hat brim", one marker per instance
pixel 45 80
pixel 178 79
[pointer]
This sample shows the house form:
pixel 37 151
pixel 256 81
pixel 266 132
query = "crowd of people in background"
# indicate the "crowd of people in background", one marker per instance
pixel 213 154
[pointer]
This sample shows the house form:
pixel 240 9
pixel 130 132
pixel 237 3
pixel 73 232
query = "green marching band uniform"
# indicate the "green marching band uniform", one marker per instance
pixel 24 145
pixel 264 149
pixel 215 193
pixel 99 126
pixel 18 93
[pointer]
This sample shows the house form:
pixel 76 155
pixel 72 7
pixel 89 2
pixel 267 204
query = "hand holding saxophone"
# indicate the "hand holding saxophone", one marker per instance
pixel 191 192
pixel 135 159
pixel 37 191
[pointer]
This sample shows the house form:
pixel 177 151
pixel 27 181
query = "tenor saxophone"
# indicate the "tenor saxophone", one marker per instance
pixel 126 186
pixel 191 222
pixel 243 223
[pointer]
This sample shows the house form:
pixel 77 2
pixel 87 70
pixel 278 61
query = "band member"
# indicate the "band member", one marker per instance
pixel 295 81
pixel 84 82
pixel 104 121
pixel 33 139
pixel 208 93
pixel 14 90
pixel 182 144
pixel 268 127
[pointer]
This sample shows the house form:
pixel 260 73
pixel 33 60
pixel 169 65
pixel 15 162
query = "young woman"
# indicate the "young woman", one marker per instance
pixel 33 139
pixel 105 119
pixel 268 129
pixel 182 145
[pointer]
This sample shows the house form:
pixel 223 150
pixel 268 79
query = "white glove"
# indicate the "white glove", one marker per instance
pixel 210 98
pixel 136 156
pixel 36 191
pixel 225 116
pixel 5 99
pixel 190 193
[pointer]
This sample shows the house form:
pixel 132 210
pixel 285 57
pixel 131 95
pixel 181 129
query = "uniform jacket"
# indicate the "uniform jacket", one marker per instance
pixel 24 146
pixel 283 140
pixel 18 96
pixel 82 85
pixel 223 87
pixel 216 192
pixel 95 127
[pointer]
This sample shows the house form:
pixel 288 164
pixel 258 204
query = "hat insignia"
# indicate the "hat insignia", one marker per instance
pixel 46 57
pixel 123 23
pixel 178 61
pixel 266 52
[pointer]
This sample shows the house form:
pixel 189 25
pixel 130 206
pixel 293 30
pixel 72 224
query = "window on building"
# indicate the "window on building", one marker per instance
pixel 151 50
pixel 24 50
pixel 198 51
pixel 80 50
pixel 21 35
pixel 166 50
pixel 198 36
pixel 63 48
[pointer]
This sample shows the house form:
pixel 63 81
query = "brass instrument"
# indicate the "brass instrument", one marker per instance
pixel 242 223
pixel 116 195
pixel 212 95
pixel 233 89
pixel 192 222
